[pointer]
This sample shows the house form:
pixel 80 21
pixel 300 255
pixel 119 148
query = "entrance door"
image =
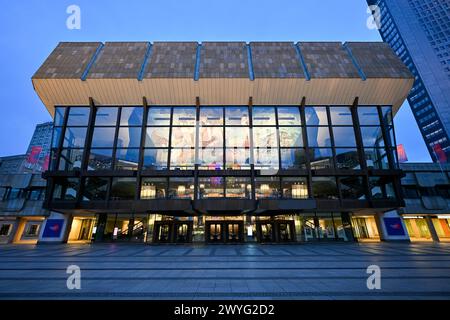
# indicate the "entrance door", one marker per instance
pixel 286 231
pixel 85 229
pixel 234 234
pixel 162 232
pixel 215 232
pixel 224 231
pixel 182 233
pixel 266 232
pixel 276 231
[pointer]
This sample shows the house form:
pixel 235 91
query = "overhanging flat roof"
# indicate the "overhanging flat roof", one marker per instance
pixel 225 73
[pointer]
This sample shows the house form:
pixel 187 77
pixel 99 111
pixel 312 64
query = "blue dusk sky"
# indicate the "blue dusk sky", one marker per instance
pixel 31 29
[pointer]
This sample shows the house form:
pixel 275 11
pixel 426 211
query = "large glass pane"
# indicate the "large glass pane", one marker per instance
pixel 368 116
pixel 321 158
pixel 100 159
pixel 155 159
pixel 324 188
pixel 103 137
pixel 376 158
pixel 158 116
pixel 131 116
pixel 106 116
pixel 238 187
pixel 211 187
pixel 127 159
pixel 237 137
pixel 56 137
pixel 293 159
pixel 211 158
pixel 294 187
pixel 129 137
pixel 157 137
pixel 236 116
pixel 70 159
pixel 316 116
pixel 238 158
pixel 211 137
pixel 265 137
pixel 344 137
pixel 66 188
pixel 123 188
pixel 182 158
pixel 181 188
pixel 352 188
pixel 341 116
pixel 74 137
pixel 381 188
pixel 266 158
pixel 263 116
pixel 372 137
pixel 153 188
pixel 288 116
pixel 95 188
pixel 267 187
pixel 318 137
pixel 183 137
pixel 211 116
pixel 291 137
pixel 386 112
pixel 347 158
pixel 78 116
pixel 59 116
pixel 184 116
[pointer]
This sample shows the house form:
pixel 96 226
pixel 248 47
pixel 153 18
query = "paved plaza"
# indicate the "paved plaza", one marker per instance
pixel 248 271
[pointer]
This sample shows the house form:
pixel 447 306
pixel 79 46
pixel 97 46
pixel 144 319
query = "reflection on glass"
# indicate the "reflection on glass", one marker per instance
pixel 181 188
pixel 341 116
pixel 59 116
pixel 347 158
pixel 182 158
pixel 238 187
pixel 184 116
pixel 100 159
pixel 266 158
pixel 78 116
pixel 106 116
pixel 294 188
pixel 236 116
pixel 157 137
pixel 211 137
pixel 123 188
pixel 267 187
pixel 183 137
pixel 265 137
pixel 103 137
pixel 376 158
pixel 56 137
pixel 238 158
pixel 352 188
pixel 321 158
pixel 318 137
pixel 293 159
pixel 344 137
pixel 263 116
pixel 155 159
pixel 291 137
pixel 316 116
pixel 324 188
pixel 153 188
pixel 386 112
pixel 131 116
pixel 95 188
pixel 158 116
pixel 368 116
pixel 211 116
pixel 66 188
pixel 381 188
pixel 129 137
pixel 127 159
pixel 288 116
pixel 211 158
pixel 70 159
pixel 211 187
pixel 74 137
pixel 372 137
pixel 237 137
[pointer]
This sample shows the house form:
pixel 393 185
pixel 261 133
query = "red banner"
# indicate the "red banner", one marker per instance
pixel 402 157
pixel 33 157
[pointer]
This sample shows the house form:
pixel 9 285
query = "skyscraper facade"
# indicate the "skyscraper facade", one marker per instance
pixel 419 33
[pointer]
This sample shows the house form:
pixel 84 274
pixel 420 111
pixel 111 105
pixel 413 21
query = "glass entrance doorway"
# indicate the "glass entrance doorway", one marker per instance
pixel 224 231
pixel 275 231
pixel 324 227
pixel 365 228
pixel 82 229
pixel 172 231
pixel 121 227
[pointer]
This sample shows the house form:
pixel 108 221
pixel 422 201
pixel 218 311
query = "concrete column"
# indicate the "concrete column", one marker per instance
pixel 433 232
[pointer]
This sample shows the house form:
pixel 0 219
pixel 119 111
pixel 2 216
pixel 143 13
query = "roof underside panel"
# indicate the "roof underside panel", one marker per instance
pixel 377 60
pixel 327 60
pixel 172 60
pixel 119 60
pixel 275 60
pixel 68 60
pixel 223 60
